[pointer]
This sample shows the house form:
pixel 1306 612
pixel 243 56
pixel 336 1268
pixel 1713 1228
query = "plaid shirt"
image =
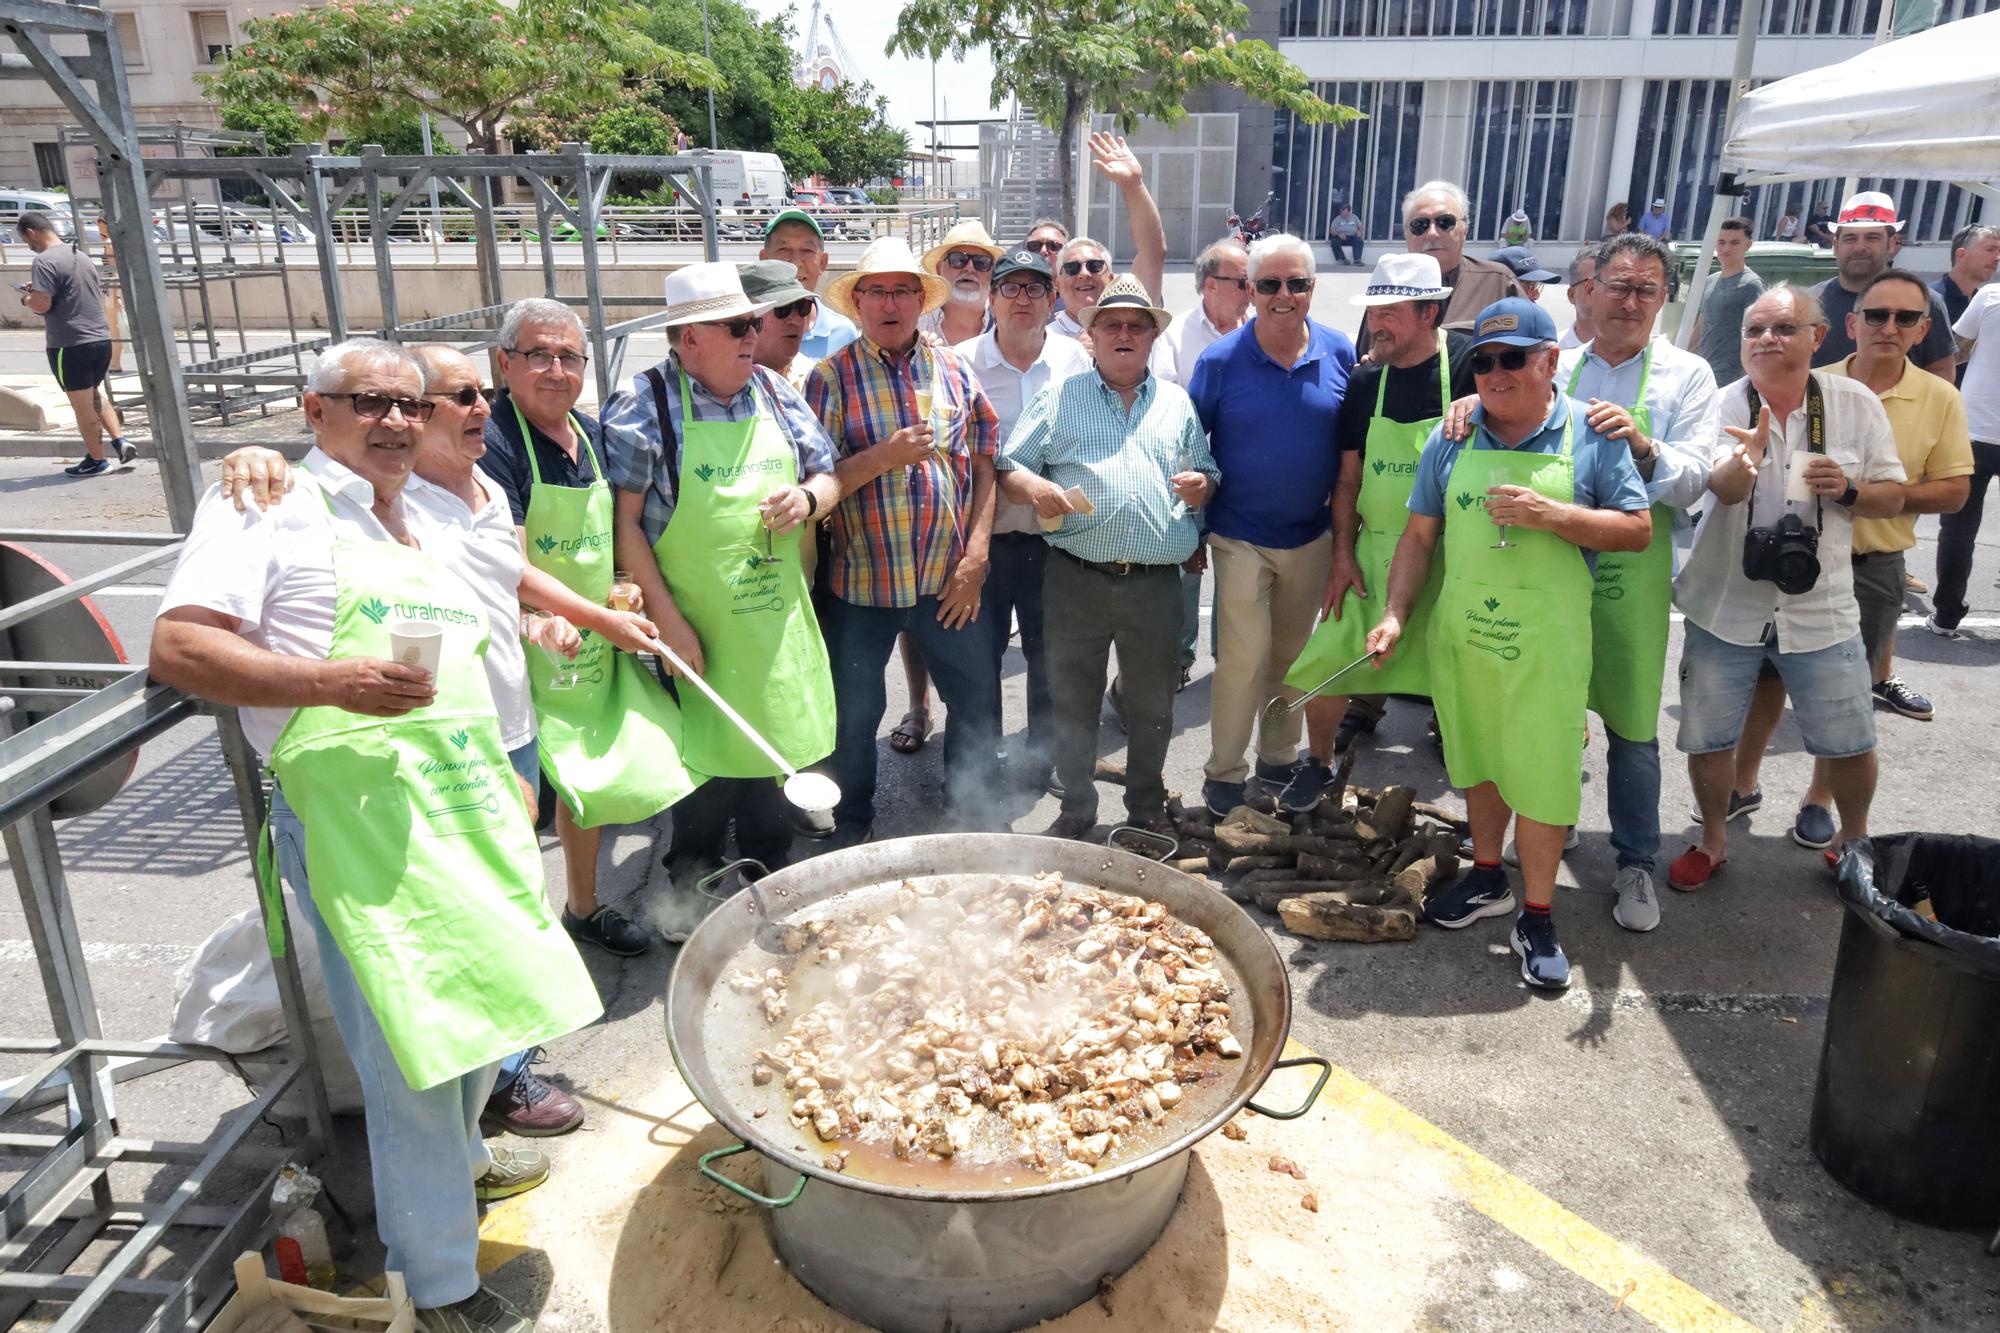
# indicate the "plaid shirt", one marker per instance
pixel 893 539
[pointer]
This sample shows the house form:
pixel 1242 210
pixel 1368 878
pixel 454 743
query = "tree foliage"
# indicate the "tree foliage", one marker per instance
pixel 839 134
pixel 753 56
pixel 353 65
pixel 1131 58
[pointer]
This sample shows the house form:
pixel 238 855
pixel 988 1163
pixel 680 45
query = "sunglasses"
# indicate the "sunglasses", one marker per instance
pixel 571 362
pixel 1905 319
pixel 1044 247
pixel 805 305
pixel 377 406
pixel 1076 266
pixel 966 259
pixel 740 327
pixel 1033 290
pixel 1443 221
pixel 1648 291
pixel 1296 286
pixel 1240 284
pixel 1752 332
pixel 1484 363
pixel 464 397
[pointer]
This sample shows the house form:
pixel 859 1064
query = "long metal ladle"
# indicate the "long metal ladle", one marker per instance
pixel 1279 706
pixel 808 791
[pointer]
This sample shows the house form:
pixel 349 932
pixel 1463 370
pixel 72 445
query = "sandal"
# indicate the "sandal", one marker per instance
pixel 911 733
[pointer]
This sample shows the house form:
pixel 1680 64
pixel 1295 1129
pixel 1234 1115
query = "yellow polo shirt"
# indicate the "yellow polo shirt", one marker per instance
pixel 1927 417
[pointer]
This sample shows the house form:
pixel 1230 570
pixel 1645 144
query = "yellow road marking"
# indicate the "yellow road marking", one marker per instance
pixel 1608 1264
pixel 503 1235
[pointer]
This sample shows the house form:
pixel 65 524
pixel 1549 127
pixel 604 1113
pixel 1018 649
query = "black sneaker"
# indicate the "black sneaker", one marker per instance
pixel 1309 782
pixel 1353 723
pixel 1738 806
pixel 1894 695
pixel 1221 797
pixel 88 467
pixel 608 929
pixel 127 452
pixel 1477 893
pixel 1543 963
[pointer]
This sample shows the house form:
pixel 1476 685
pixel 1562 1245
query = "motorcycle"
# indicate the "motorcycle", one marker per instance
pixel 1250 228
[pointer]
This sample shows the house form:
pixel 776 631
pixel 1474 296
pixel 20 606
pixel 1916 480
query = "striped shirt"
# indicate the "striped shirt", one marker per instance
pixel 1078 432
pixel 893 539
pixel 635 446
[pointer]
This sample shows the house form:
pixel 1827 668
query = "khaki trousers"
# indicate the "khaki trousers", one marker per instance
pixel 1266 600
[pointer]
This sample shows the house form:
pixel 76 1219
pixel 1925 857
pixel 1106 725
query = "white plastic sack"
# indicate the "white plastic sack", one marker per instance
pixel 226 997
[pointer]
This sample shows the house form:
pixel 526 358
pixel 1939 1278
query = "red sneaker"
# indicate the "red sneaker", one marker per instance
pixel 1693 869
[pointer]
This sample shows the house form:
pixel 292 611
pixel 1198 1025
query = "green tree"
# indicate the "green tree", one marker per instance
pixel 280 125
pixel 752 55
pixel 357 64
pixel 1131 58
pixel 843 134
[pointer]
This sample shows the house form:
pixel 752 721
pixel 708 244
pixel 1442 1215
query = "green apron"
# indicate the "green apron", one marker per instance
pixel 751 610
pixel 422 860
pixel 1388 476
pixel 1510 639
pixel 610 743
pixel 1630 609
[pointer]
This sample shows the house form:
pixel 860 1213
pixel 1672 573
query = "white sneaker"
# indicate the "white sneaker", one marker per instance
pixel 1512 853
pixel 1638 907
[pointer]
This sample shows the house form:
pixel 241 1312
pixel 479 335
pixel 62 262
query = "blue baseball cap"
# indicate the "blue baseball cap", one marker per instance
pixel 1522 261
pixel 1515 321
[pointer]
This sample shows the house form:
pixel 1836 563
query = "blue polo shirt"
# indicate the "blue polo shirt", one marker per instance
pixel 1606 476
pixel 1274 432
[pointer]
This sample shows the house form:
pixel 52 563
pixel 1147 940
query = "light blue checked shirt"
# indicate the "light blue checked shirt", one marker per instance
pixel 1078 432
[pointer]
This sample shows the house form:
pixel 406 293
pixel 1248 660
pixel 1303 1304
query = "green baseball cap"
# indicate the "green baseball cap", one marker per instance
pixel 793 215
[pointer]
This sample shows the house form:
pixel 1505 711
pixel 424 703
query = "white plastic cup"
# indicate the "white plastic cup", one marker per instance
pixel 1796 490
pixel 417 643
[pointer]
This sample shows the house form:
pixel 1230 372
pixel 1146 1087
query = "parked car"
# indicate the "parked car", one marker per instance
pixel 13 203
pixel 211 222
pixel 813 199
pixel 851 195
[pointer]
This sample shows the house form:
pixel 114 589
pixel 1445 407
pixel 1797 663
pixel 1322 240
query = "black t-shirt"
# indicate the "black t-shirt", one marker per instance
pixel 1412 394
pixel 1839 303
pixel 507 462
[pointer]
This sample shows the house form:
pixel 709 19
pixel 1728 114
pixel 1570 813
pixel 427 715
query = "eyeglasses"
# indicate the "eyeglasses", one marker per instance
pixel 464 397
pixel 1296 286
pixel 1752 332
pixel 377 406
pixel 1122 328
pixel 889 293
pixel 1076 266
pixel 1240 284
pixel 966 259
pixel 1044 247
pixel 1905 319
pixel 740 327
pixel 1483 363
pixel 805 305
pixel 1621 291
pixel 1443 222
pixel 1033 290
pixel 541 359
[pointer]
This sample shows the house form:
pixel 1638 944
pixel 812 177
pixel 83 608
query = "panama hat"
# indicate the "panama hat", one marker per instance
pixel 1125 292
pixel 700 293
pixel 890 254
pixel 1870 208
pixel 970 234
pixel 1403 277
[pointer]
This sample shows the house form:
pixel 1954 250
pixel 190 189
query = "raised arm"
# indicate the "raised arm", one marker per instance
pixel 1120 166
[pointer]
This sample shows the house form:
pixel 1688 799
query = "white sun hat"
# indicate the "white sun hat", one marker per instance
pixel 703 292
pixel 1403 277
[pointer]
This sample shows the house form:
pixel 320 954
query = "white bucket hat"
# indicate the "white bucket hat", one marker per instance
pixel 1403 277
pixel 700 293
pixel 890 254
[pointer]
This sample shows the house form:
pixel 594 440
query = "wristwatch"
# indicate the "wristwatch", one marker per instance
pixel 812 501
pixel 1848 496
pixel 1652 453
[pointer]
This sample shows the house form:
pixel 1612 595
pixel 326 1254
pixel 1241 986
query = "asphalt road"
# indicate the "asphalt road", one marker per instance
pixel 1664 1100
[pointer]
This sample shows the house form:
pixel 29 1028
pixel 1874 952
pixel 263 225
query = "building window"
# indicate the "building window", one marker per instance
pixel 1518 156
pixel 1433 18
pixel 49 166
pixel 1681 123
pixel 130 49
pixel 1370 164
pixel 213 40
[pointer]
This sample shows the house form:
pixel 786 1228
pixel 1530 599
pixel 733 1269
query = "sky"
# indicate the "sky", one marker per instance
pixel 865 26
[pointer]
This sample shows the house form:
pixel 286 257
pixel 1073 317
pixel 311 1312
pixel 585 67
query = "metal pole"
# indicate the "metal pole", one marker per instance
pixel 1747 28
pixel 708 55
pixel 437 217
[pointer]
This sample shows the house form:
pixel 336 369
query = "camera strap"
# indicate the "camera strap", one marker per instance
pixel 1815 439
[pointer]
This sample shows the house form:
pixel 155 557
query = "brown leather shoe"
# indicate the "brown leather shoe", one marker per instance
pixel 1067 825
pixel 531 1106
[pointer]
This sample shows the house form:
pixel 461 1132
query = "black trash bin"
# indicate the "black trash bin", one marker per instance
pixel 1907 1112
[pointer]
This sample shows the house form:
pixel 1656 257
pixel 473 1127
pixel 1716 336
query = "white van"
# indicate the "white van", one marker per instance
pixel 747 180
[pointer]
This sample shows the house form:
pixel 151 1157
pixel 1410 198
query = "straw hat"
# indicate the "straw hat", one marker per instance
pixel 703 292
pixel 1125 292
pixel 968 234
pixel 890 254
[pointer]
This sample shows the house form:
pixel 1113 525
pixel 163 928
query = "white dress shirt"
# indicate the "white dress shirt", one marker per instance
pixel 1065 323
pixel 273 570
pixel 1980 325
pixel 1181 344
pixel 1010 390
pixel 1712 590
pixel 491 560
pixel 1682 406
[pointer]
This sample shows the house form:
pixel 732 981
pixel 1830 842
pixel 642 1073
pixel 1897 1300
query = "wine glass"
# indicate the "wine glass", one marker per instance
pixel 624 592
pixel 1183 460
pixel 562 675
pixel 1503 544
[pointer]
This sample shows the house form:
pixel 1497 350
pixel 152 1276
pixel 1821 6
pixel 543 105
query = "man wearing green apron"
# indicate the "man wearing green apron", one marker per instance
pixel 718 464
pixel 1519 507
pixel 421 877
pixel 1416 371
pixel 609 730
pixel 1660 402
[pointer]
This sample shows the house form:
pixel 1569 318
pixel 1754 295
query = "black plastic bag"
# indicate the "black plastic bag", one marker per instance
pixel 1884 878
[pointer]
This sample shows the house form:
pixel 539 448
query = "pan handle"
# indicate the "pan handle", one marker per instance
pixel 717 876
pixel 1325 1073
pixel 744 1190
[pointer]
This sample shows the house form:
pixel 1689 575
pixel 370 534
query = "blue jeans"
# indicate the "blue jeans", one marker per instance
pixel 424 1149
pixel 859 640
pixel 1014 591
pixel 1632 796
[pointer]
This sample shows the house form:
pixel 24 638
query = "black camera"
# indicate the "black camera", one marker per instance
pixel 1787 554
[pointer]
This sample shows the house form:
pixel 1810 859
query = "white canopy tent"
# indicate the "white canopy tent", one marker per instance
pixel 1926 107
